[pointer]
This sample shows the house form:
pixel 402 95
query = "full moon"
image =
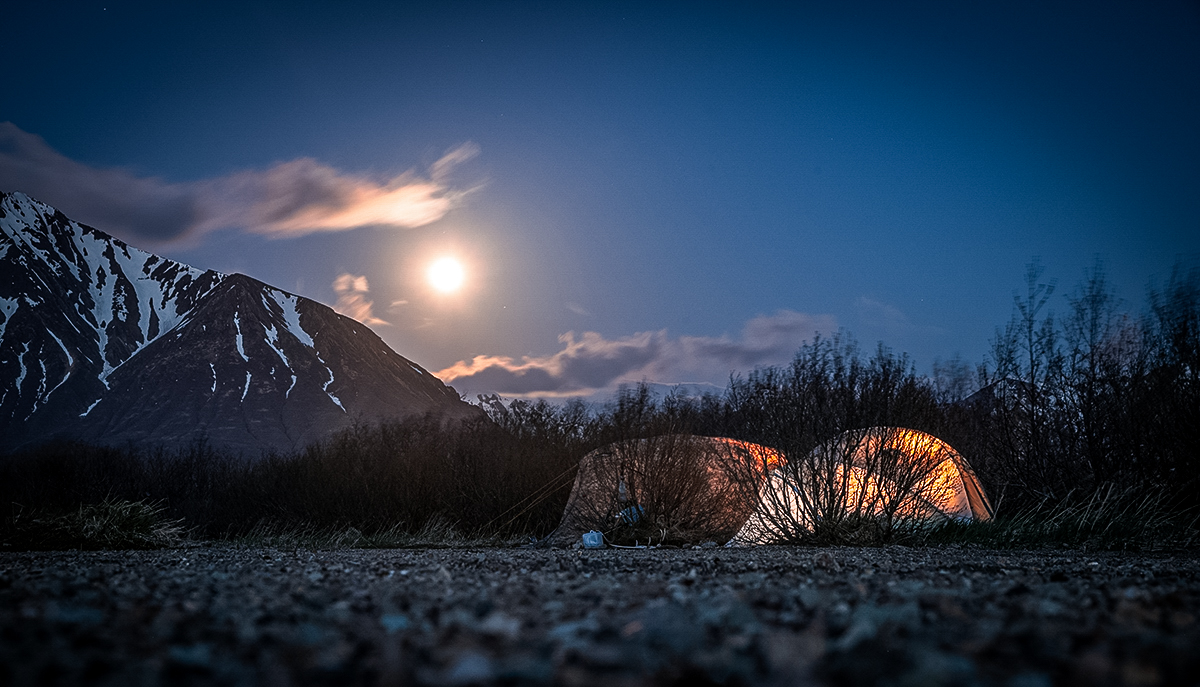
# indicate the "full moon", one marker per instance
pixel 446 275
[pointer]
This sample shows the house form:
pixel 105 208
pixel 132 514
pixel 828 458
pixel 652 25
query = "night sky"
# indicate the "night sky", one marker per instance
pixel 660 192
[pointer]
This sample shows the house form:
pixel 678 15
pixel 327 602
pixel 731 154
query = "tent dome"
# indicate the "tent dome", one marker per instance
pixel 672 486
pixel 889 473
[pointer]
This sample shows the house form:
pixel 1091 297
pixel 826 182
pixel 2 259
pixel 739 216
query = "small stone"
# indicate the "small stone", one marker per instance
pixel 394 622
pixel 195 656
pixel 499 624
pixel 470 668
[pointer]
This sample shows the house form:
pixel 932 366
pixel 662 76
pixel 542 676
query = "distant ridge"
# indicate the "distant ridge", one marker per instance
pixel 106 343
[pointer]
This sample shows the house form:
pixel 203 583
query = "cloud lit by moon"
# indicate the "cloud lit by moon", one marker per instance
pixel 287 199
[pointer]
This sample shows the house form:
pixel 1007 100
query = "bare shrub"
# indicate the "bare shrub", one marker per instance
pixel 672 488
pixel 840 480
pixel 400 478
pixel 1100 398
pixel 867 486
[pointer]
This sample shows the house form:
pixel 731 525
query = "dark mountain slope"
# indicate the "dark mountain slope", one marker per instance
pixel 107 343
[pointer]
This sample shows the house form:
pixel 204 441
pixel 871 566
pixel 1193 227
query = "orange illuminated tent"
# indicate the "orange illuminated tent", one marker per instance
pixel 888 474
pixel 668 487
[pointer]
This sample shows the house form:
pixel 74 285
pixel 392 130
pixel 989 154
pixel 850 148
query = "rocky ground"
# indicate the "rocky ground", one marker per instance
pixel 765 615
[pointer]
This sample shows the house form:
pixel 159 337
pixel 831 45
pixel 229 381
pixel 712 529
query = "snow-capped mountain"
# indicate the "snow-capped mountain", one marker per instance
pixel 107 343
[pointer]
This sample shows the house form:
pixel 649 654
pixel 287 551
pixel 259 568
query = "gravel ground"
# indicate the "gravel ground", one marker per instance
pixel 764 615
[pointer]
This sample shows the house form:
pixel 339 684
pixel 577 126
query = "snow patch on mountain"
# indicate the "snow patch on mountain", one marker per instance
pixel 273 342
pixel 112 284
pixel 325 388
pixel 8 306
pixel 21 361
pixel 70 366
pixel 155 284
pixel 291 316
pixel 70 358
pixel 89 408
pixel 39 395
pixel 237 324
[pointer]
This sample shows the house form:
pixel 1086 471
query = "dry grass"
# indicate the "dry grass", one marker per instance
pixel 110 524
pixel 1112 518
pixel 437 533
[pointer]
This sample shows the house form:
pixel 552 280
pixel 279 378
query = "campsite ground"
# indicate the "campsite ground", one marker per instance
pixel 765 615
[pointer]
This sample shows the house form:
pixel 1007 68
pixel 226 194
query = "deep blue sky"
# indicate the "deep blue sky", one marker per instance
pixel 735 175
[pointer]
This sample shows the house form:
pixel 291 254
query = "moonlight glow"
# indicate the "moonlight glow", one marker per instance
pixel 446 275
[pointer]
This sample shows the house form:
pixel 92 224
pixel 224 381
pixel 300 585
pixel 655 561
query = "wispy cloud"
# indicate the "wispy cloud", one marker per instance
pixel 352 300
pixel 288 199
pixel 881 314
pixel 590 362
pixel 890 321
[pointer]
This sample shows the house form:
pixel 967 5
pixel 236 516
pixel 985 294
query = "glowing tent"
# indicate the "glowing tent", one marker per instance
pixel 881 474
pixel 666 487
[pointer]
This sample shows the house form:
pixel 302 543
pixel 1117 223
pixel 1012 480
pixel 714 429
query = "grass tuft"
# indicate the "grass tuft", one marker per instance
pixel 110 524
pixel 436 533
pixel 1110 519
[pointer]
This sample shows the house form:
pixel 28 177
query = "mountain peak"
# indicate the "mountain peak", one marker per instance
pixel 104 342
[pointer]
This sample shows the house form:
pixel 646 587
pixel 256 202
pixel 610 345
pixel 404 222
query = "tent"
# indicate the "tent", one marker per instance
pixel 666 487
pixel 680 486
pixel 882 474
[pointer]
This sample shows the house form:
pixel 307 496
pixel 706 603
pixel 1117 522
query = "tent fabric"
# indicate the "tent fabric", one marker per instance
pixel 875 472
pixel 700 482
pixel 751 493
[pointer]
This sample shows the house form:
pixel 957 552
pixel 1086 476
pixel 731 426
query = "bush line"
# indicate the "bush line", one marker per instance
pixel 1083 430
